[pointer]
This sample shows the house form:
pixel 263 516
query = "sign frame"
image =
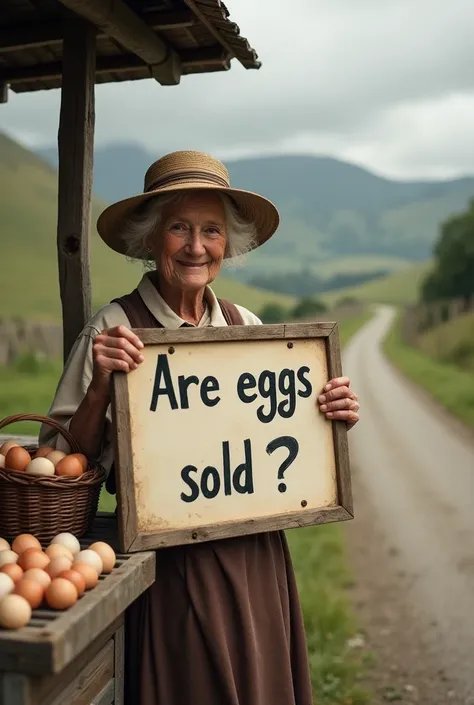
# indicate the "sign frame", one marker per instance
pixel 131 539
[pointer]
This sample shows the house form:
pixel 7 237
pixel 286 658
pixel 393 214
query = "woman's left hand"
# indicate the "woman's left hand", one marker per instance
pixel 338 402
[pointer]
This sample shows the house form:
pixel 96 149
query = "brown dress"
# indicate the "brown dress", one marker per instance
pixel 222 623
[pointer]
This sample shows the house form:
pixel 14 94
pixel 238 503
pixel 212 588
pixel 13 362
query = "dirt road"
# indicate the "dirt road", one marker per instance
pixel 413 540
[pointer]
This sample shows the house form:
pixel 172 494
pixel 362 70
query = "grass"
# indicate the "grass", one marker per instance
pixel 451 342
pixel 447 383
pixel 401 287
pixel 318 552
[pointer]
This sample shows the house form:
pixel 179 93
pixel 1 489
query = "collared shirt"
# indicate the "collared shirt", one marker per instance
pixel 77 373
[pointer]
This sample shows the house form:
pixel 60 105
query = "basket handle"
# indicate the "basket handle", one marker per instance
pixel 75 447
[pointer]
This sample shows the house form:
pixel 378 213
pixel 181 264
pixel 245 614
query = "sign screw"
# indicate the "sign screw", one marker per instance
pixel 194 535
pixel 289 345
pixel 304 503
pixel 171 350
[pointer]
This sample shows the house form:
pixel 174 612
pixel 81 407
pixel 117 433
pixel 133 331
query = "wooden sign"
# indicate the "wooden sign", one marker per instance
pixel 218 434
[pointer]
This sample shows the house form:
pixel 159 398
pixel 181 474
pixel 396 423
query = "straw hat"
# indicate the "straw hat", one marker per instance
pixel 187 171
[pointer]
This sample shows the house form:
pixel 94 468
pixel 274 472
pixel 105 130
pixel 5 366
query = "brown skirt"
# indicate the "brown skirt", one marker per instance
pixel 221 625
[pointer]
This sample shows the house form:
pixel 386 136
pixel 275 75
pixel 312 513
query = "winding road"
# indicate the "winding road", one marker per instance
pixel 416 466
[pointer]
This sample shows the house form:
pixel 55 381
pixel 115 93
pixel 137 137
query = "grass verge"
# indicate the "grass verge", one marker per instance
pixel 446 383
pixel 318 552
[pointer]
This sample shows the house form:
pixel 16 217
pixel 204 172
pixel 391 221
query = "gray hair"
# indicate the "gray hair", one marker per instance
pixel 136 231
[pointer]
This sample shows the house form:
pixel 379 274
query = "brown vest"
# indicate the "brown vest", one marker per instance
pixel 140 316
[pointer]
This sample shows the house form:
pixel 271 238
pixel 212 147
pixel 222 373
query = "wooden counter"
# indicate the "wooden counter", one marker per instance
pixel 76 657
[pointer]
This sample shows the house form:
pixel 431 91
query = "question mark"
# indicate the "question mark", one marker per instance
pixel 292 445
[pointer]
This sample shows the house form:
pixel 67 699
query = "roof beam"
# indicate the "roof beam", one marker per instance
pixel 25 36
pixel 206 56
pixel 119 22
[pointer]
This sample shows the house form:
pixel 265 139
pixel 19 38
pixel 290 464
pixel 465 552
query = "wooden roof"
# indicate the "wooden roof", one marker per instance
pixel 197 33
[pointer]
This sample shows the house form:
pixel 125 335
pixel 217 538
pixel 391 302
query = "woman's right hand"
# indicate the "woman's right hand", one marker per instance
pixel 114 350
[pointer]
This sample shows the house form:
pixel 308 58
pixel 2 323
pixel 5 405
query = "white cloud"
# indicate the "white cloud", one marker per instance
pixel 387 83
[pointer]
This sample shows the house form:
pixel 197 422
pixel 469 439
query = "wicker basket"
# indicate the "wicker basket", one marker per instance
pixel 46 506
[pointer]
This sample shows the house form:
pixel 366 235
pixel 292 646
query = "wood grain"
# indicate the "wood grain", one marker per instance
pixel 76 145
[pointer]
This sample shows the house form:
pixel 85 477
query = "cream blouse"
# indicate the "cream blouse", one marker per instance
pixel 77 373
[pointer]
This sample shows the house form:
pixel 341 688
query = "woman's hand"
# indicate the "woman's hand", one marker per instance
pixel 338 402
pixel 114 350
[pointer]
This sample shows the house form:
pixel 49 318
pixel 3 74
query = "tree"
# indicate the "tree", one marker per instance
pixel 273 313
pixel 305 308
pixel 453 273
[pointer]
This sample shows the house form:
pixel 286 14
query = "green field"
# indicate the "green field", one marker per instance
pixel 446 382
pixel 29 279
pixel 401 287
pixel 451 342
pixel 318 552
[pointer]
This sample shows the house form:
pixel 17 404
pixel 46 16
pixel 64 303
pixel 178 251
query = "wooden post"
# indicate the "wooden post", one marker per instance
pixel 75 145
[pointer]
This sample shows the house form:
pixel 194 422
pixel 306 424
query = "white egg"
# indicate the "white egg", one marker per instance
pixel 6 585
pixel 69 541
pixel 55 456
pixel 4 545
pixel 40 466
pixel 2 461
pixel 91 558
pixel 8 556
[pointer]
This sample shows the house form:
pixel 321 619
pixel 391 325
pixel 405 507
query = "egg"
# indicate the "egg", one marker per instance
pixel 38 575
pixel 88 573
pixel 2 461
pixel 61 594
pixel 33 558
pixel 24 541
pixel 76 579
pixel 106 554
pixel 31 590
pixel 8 556
pixel 82 459
pixel 13 570
pixel 6 585
pixel 15 612
pixel 44 451
pixel 69 467
pixel 91 558
pixel 41 467
pixel 57 565
pixel 6 447
pixel 54 550
pixel 4 545
pixel 68 540
pixel 55 456
pixel 17 459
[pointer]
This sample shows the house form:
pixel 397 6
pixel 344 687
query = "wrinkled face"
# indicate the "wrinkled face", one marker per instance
pixel 190 243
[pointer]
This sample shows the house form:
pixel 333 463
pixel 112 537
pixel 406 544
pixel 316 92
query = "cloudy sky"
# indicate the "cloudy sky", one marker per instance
pixel 388 84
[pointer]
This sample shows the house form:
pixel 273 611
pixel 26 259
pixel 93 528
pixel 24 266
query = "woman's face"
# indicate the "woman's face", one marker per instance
pixel 190 243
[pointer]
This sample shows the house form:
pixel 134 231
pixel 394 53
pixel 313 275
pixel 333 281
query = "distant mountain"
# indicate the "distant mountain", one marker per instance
pixel 333 213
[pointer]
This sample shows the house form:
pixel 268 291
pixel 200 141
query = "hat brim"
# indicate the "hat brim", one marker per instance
pixel 254 208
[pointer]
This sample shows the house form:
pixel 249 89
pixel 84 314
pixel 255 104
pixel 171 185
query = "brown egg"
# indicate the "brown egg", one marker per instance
pixel 17 459
pixel 82 459
pixel 6 447
pixel 38 575
pixel 13 570
pixel 88 573
pixel 57 565
pixel 106 553
pixel 54 550
pixel 61 594
pixel 55 456
pixel 43 451
pixel 33 558
pixel 69 467
pixel 76 579
pixel 31 591
pixel 24 541
pixel 15 612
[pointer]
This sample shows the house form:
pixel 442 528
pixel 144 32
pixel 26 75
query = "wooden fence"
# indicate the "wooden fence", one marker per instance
pixel 419 318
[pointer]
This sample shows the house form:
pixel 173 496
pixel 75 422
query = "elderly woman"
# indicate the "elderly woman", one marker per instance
pixel 222 623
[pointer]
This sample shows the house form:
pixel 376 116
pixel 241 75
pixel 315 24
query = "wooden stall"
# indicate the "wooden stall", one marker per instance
pixel 76 657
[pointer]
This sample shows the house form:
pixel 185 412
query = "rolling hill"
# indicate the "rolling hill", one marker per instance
pixel 29 279
pixel 331 211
